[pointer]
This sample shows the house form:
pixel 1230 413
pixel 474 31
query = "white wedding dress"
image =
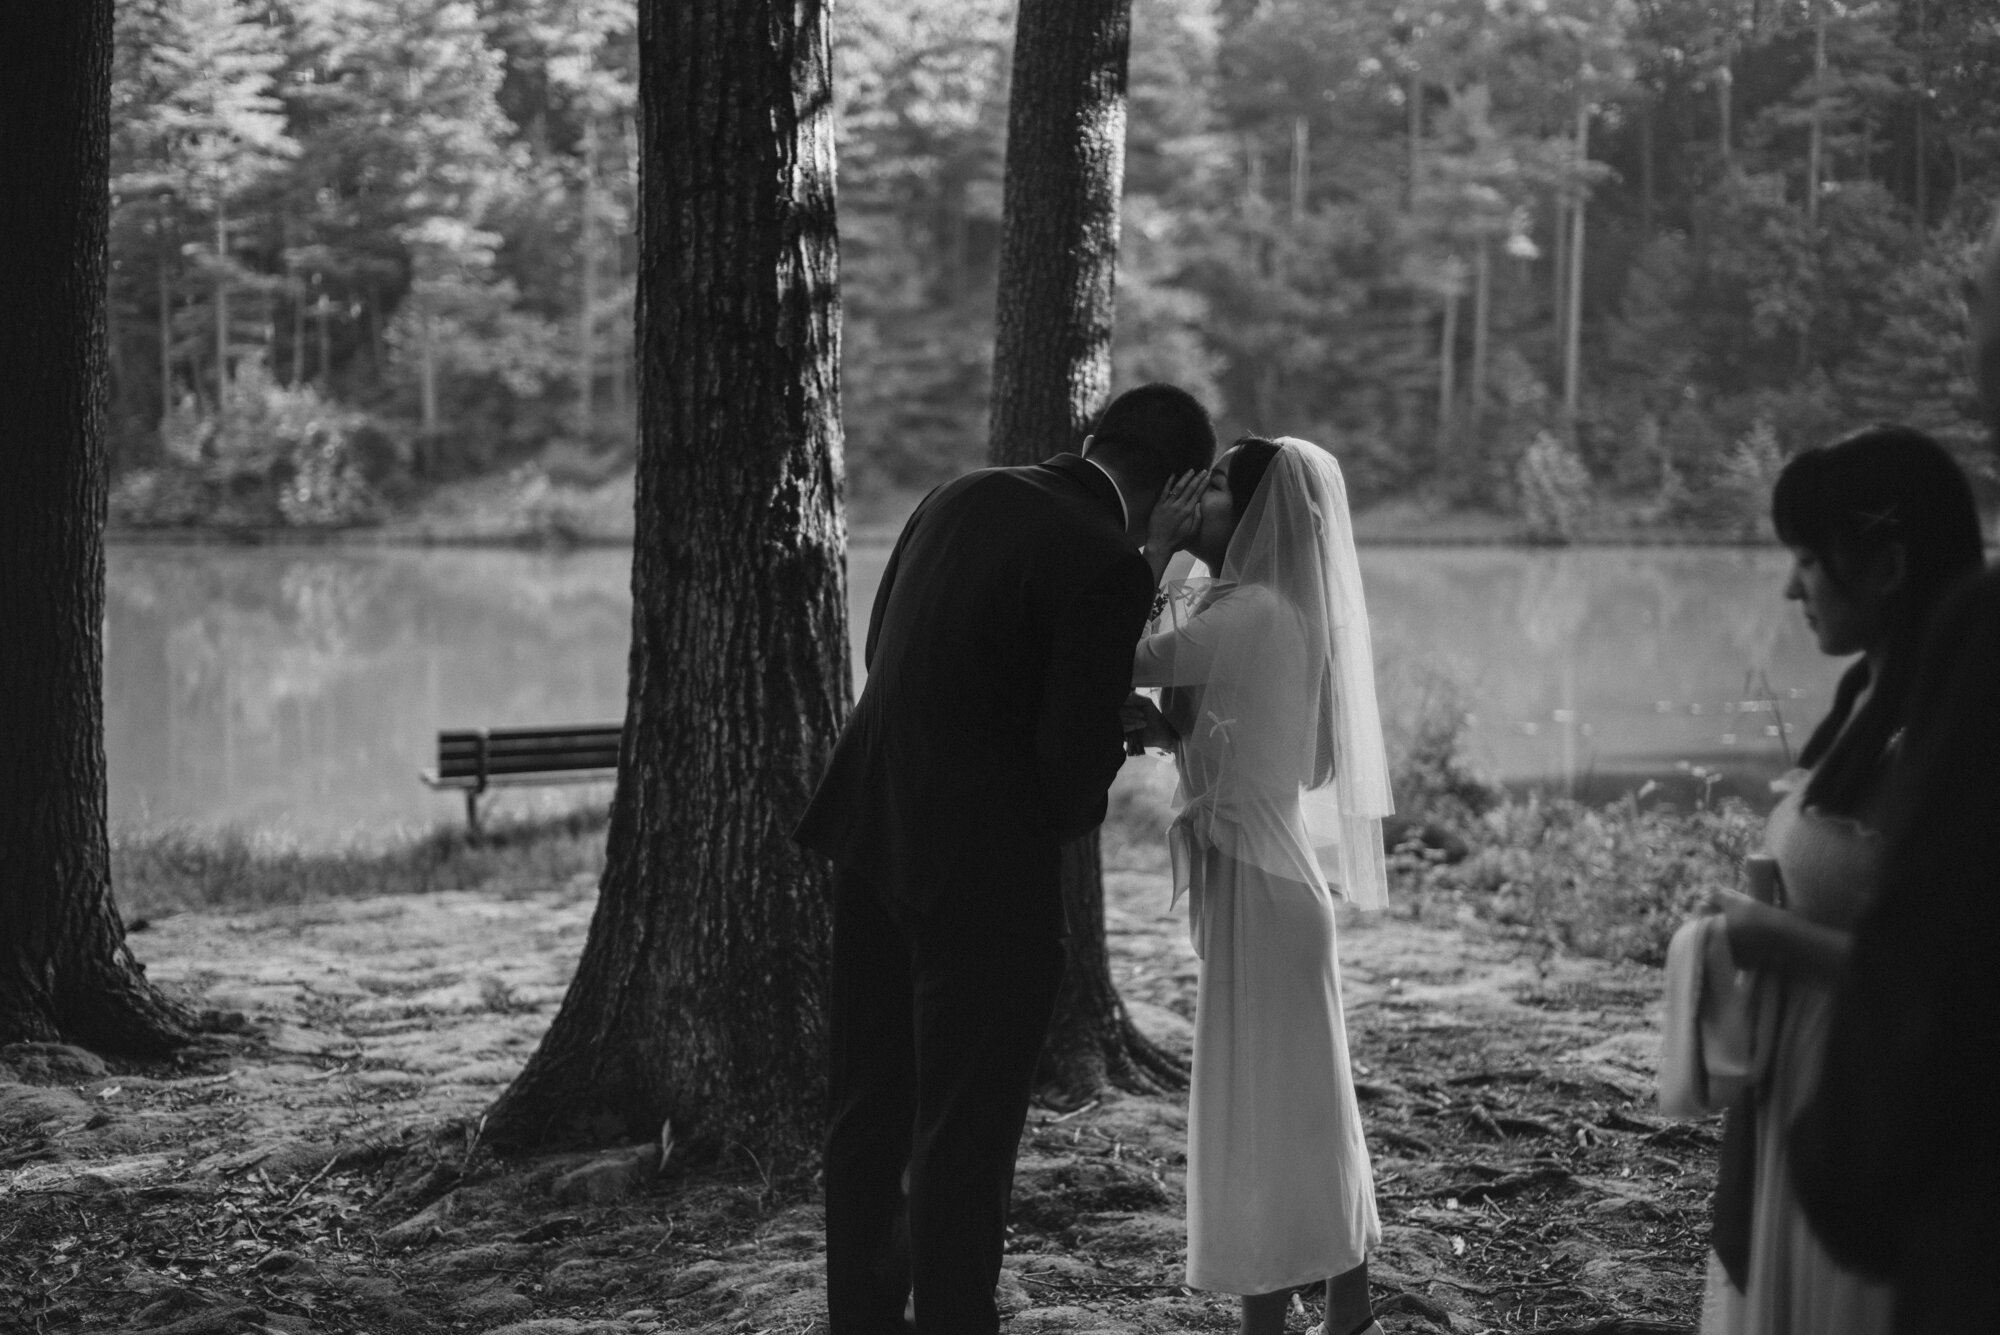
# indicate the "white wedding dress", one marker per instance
pixel 1279 1189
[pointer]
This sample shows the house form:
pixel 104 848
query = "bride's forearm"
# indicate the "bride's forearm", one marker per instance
pixel 1157 555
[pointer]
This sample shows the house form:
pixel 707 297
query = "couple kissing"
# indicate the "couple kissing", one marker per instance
pixel 1010 628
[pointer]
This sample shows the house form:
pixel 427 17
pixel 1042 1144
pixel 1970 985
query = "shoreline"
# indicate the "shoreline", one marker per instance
pixel 869 535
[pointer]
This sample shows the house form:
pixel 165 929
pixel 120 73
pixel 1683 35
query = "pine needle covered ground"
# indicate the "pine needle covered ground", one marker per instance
pixel 319 1169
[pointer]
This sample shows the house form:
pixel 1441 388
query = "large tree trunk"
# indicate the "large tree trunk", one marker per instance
pixel 701 993
pixel 65 971
pixel 1051 373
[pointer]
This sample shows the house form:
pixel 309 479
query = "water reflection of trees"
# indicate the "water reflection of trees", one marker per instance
pixel 1600 658
pixel 305 687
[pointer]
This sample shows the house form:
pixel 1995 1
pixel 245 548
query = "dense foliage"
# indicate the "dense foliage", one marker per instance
pixel 1547 256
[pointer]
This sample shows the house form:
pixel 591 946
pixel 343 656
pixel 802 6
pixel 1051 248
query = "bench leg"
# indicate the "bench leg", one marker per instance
pixel 472 811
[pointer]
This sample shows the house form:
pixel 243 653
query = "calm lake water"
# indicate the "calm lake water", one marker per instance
pixel 299 691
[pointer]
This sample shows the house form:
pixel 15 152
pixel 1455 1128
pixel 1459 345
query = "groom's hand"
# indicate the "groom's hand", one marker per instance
pixel 1144 725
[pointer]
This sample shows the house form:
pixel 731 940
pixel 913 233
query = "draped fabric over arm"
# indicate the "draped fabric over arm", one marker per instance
pixel 1269 680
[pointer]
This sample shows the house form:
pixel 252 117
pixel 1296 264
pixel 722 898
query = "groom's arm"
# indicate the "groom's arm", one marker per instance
pixel 889 581
pixel 1079 736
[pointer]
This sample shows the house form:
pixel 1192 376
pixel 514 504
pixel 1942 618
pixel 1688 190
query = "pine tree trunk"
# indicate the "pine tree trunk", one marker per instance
pixel 1647 168
pixel 1816 135
pixel 1923 104
pixel 1559 292
pixel 1725 105
pixel 1051 374
pixel 586 317
pixel 1573 317
pixel 166 322
pixel 1482 326
pixel 700 998
pixel 221 315
pixel 1413 141
pixel 297 292
pixel 325 310
pixel 1301 167
pixel 1059 225
pixel 427 379
pixel 1447 370
pixel 65 970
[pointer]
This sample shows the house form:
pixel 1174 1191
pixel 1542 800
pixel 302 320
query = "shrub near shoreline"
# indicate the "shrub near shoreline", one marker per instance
pixel 1610 881
pixel 156 872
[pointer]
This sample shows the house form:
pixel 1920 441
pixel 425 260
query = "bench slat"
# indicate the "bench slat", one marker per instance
pixel 537 746
pixel 446 735
pixel 432 779
pixel 548 763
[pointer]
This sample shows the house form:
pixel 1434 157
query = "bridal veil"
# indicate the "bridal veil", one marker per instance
pixel 1273 692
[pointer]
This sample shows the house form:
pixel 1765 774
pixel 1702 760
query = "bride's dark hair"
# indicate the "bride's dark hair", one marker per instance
pixel 1847 503
pixel 1247 465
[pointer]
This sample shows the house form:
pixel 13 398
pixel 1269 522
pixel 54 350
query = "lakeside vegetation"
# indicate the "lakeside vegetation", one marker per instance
pixel 162 871
pixel 1610 881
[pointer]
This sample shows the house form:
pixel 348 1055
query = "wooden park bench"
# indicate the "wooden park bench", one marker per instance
pixel 476 759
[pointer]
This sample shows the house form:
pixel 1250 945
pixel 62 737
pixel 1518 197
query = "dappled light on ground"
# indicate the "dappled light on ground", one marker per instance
pixel 320 1170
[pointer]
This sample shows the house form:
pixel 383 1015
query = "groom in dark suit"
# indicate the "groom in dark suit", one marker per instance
pixel 999 654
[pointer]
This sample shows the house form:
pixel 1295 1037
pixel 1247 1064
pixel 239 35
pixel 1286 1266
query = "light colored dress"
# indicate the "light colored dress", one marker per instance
pixel 1830 867
pixel 1279 1189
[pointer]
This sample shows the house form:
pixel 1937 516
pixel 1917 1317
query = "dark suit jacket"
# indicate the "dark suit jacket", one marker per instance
pixel 998 654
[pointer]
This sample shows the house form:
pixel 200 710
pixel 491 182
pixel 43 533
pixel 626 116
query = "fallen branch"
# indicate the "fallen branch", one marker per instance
pixel 1390 1136
pixel 1502 1188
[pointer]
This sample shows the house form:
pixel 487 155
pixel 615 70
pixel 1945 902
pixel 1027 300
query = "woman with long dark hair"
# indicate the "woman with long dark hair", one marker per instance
pixel 1896 1159
pixel 1881 526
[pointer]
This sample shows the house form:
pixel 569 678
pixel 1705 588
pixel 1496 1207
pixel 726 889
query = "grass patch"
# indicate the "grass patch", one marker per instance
pixel 1612 882
pixel 156 872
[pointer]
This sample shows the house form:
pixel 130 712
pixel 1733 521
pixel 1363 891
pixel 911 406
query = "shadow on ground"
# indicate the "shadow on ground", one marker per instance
pixel 320 1170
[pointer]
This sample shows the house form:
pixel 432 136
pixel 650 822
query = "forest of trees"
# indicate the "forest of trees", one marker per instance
pixel 1519 254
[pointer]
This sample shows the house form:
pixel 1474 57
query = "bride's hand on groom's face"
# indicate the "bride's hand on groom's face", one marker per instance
pixel 1178 512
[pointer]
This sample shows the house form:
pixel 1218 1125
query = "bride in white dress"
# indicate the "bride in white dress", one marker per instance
pixel 1269 696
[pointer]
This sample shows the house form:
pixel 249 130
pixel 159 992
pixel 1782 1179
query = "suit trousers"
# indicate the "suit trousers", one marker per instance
pixel 935 1031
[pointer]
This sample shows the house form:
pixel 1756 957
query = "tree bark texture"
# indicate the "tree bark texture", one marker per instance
pixel 1059 225
pixel 65 971
pixel 700 996
pixel 1051 374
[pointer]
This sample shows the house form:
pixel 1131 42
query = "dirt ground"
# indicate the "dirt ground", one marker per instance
pixel 319 1171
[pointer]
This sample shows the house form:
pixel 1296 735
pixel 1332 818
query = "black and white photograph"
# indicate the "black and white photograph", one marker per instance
pixel 999 667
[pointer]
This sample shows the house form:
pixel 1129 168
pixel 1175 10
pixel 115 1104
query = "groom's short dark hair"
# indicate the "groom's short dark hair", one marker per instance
pixel 1152 433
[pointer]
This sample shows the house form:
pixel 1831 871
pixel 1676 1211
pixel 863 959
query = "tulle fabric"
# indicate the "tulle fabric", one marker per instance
pixel 1269 676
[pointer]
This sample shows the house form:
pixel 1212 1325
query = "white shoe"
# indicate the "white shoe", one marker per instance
pixel 1372 1328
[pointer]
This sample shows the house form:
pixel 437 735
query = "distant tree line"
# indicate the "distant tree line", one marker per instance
pixel 362 246
pixel 1532 254
pixel 1525 253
